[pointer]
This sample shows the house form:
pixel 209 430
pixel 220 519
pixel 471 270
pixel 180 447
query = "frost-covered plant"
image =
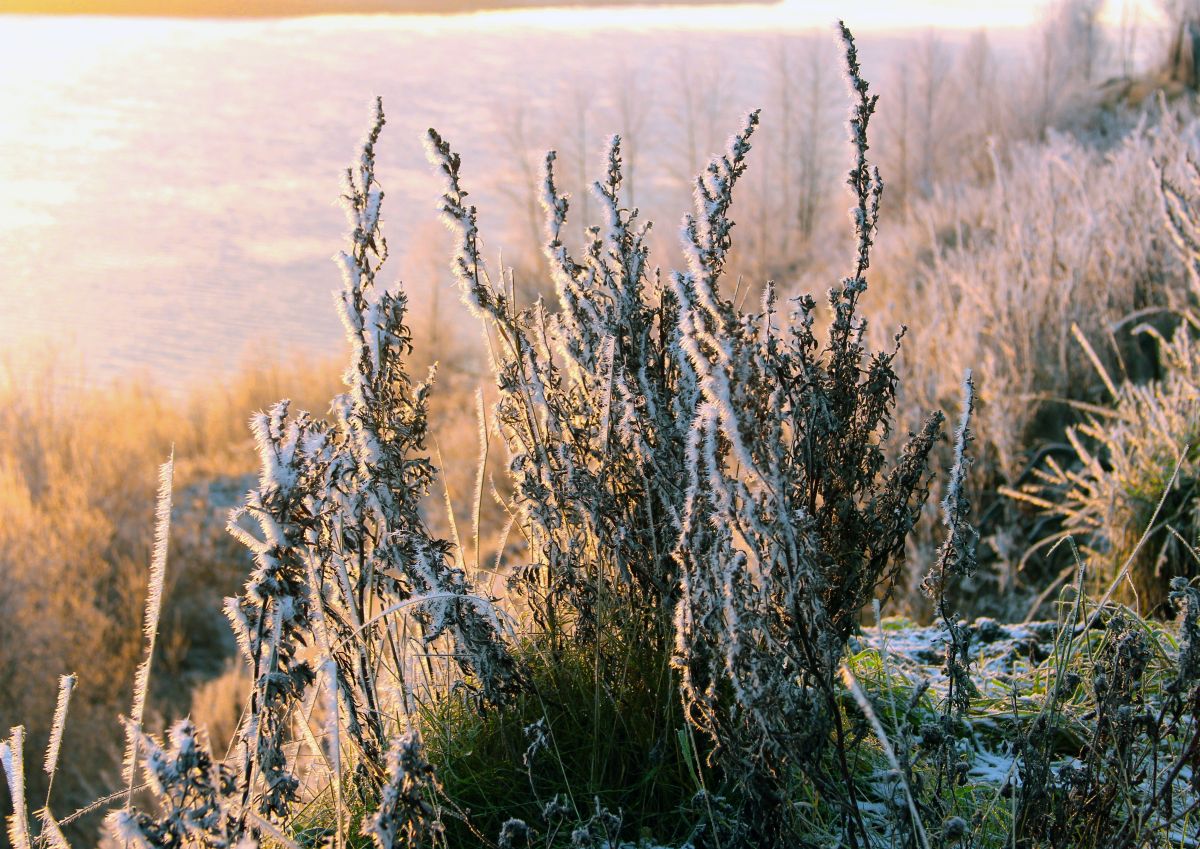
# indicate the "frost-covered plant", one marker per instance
pixel 273 618
pixel 601 831
pixel 794 519
pixel 1113 792
pixel 956 559
pixel 343 545
pixel 158 568
pixel 1187 599
pixel 593 408
pixel 670 452
pixel 1131 493
pixel 405 817
pixel 197 797
pixel 993 276
pixel 380 474
pixel 12 759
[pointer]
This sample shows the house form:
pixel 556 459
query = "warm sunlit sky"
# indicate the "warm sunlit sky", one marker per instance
pixel 883 14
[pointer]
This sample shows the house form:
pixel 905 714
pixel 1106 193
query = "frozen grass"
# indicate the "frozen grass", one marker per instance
pixel 1041 283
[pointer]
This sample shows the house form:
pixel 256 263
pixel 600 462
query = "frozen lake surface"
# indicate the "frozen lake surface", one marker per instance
pixel 168 189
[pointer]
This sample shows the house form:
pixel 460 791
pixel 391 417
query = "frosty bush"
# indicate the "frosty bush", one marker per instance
pixel 343 545
pixel 794 519
pixel 789 521
pixel 594 409
pixel 197 793
pixel 405 815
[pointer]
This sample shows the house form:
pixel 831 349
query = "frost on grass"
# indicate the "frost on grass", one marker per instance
pixel 1127 490
pixel 12 758
pixel 158 573
pixel 66 685
pixel 273 617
